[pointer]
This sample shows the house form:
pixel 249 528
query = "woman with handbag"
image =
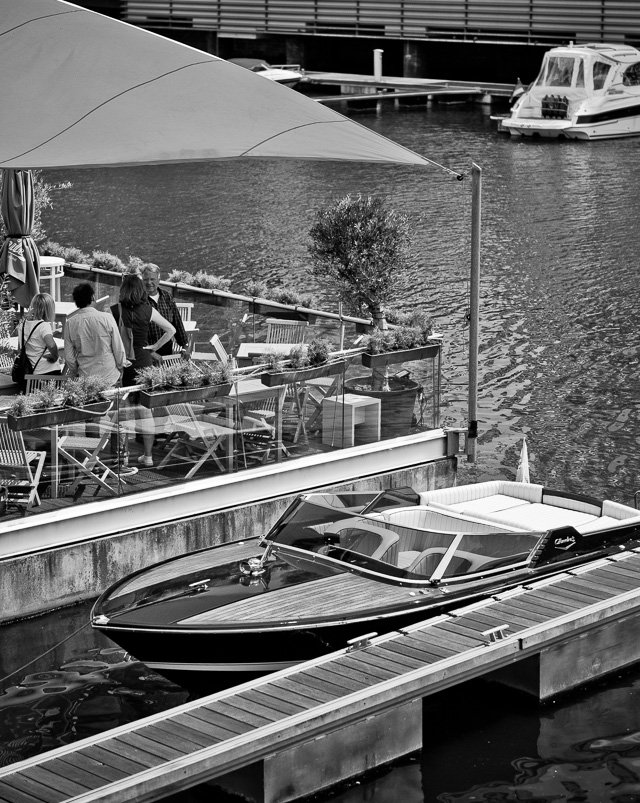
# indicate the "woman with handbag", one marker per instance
pixel 37 333
pixel 134 312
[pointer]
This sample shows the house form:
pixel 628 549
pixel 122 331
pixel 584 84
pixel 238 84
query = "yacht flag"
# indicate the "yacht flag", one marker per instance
pixel 522 474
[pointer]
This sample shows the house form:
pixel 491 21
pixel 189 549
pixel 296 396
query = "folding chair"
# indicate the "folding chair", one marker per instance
pixel 285 331
pixel 199 435
pixel 14 457
pixel 219 353
pixel 172 359
pixel 90 468
pixel 184 308
pixel 101 303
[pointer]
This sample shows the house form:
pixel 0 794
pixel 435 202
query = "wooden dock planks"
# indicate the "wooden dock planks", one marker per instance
pixel 168 752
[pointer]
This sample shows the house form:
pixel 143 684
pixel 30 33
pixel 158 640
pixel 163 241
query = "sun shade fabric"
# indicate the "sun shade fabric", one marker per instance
pixel 19 257
pixel 83 90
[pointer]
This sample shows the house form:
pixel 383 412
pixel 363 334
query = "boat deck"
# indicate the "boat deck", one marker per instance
pixel 207 738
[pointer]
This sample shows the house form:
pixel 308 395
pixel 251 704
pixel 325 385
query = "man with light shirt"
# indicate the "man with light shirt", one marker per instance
pixel 162 301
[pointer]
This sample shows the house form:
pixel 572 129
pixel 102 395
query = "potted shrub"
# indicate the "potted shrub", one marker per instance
pixel 362 248
pixel 301 364
pixel 184 381
pixel 53 404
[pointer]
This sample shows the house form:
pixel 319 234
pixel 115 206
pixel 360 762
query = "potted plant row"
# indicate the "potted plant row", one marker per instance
pixel 410 340
pixel 301 364
pixel 183 381
pixel 54 404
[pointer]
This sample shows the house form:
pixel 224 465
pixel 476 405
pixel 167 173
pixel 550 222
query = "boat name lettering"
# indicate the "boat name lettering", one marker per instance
pixel 565 543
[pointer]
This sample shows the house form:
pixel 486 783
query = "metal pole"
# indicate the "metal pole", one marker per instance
pixel 377 64
pixel 474 310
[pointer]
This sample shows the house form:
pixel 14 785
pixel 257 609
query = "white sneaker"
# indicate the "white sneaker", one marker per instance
pixel 146 461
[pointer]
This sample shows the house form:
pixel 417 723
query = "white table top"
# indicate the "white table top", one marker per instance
pixel 51 262
pixel 246 350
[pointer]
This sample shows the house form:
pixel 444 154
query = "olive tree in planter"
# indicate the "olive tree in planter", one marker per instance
pixel 362 248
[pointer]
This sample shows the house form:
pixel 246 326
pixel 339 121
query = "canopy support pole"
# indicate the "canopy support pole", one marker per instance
pixel 474 310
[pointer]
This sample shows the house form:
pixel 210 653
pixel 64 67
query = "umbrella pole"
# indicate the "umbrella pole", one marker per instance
pixel 474 310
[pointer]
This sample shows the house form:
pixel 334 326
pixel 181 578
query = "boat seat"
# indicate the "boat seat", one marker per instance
pixel 487 504
pixel 604 523
pixel 444 498
pixel 538 517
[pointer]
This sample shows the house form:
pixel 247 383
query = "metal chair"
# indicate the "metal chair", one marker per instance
pixel 279 331
pixel 14 457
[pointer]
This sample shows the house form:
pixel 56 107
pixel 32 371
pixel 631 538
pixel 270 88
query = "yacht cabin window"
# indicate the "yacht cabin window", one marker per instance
pixel 580 76
pixel 559 71
pixel 600 72
pixel 631 76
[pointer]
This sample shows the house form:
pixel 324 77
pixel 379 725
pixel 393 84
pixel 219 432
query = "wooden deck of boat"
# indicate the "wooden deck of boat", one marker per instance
pixel 207 738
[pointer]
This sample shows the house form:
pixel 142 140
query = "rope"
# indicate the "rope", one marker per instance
pixel 46 652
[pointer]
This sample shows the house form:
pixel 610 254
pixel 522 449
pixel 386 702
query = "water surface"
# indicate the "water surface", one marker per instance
pixel 559 363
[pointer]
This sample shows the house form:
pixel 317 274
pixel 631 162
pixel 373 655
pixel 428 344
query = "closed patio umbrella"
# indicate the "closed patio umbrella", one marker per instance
pixel 19 257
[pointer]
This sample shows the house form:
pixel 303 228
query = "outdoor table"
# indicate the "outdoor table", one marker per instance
pixel 247 351
pixel 247 391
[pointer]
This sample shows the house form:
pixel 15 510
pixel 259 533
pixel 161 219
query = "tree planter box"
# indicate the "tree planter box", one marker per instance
pixel 163 398
pixel 272 378
pixel 392 357
pixel 58 416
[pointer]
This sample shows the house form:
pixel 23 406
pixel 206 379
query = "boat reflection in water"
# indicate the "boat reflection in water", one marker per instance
pixel 88 695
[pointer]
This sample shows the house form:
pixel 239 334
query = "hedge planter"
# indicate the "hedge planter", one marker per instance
pixel 277 310
pixel 272 378
pixel 392 357
pixel 57 416
pixel 166 397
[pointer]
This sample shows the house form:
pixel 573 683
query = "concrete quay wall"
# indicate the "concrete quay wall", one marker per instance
pixel 36 582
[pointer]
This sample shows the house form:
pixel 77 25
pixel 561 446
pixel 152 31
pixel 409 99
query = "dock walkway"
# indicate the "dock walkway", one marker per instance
pixel 210 737
pixel 388 88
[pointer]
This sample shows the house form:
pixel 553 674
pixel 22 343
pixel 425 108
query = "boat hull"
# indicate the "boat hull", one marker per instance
pixel 610 129
pixel 208 660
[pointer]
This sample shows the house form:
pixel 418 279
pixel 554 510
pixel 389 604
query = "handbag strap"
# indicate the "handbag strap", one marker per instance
pixel 24 342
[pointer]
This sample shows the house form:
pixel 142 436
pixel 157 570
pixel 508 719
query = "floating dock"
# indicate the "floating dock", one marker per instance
pixel 363 88
pixel 299 726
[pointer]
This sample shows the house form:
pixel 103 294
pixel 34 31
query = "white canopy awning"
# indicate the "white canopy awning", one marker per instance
pixel 80 89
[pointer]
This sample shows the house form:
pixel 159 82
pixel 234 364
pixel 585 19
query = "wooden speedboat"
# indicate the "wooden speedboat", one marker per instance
pixel 582 92
pixel 338 566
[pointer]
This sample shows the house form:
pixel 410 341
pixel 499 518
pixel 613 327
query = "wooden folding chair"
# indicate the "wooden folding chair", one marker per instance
pixel 279 331
pixel 184 308
pixel 218 353
pixel 14 458
pixel 198 435
pixel 83 453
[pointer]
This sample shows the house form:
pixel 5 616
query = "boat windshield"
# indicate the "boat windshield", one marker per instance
pixel 370 542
